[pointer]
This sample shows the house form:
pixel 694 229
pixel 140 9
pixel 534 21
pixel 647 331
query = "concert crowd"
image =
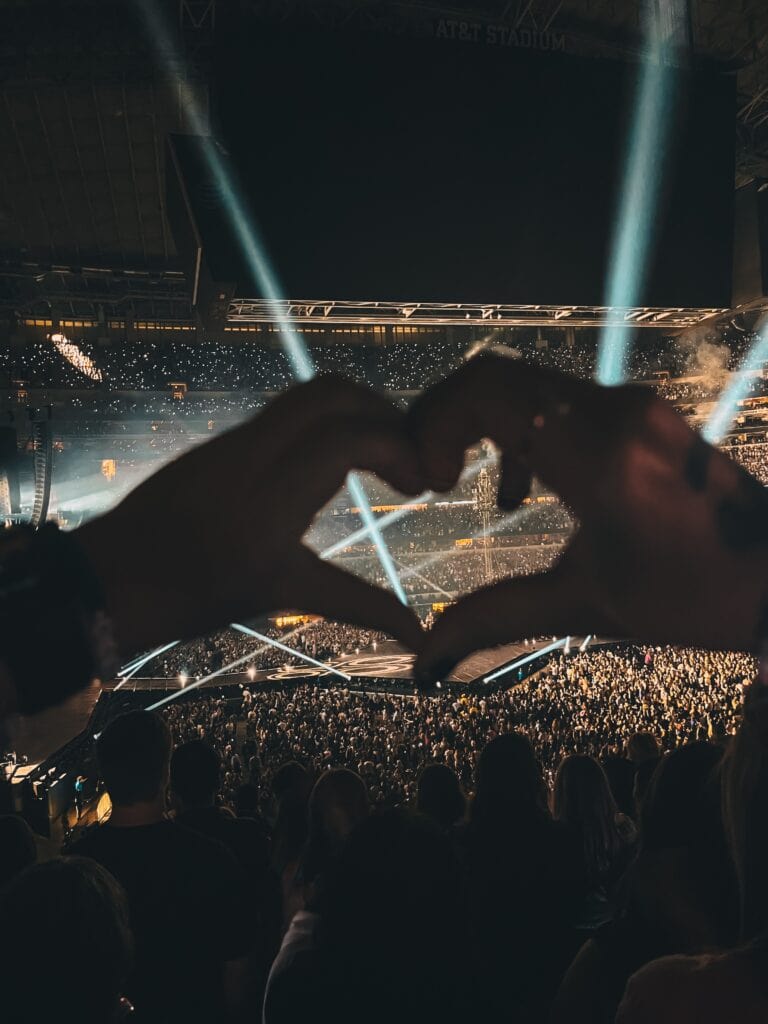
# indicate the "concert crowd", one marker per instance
pixel 324 838
pixel 257 367
pixel 586 844
pixel 586 703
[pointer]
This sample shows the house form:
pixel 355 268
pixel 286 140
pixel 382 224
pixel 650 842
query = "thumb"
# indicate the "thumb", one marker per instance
pixel 546 604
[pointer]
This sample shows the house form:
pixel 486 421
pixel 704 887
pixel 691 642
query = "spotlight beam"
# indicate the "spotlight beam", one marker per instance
pixel 641 187
pixel 429 582
pixel 737 388
pixel 134 668
pixel 145 657
pixel 369 520
pixel 224 669
pixel 255 253
pixel 518 516
pixel 289 650
pixel 206 679
pixel 129 665
pixel 386 520
pixel 399 513
pixel 526 660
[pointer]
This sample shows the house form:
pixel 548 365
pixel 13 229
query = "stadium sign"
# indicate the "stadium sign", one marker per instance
pixel 499 35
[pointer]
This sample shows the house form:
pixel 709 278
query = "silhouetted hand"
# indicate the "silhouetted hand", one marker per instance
pixel 216 535
pixel 672 544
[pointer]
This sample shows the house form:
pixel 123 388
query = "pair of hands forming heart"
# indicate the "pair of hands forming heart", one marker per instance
pixel 672 544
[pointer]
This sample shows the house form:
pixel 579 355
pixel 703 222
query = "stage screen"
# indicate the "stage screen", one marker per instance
pixel 383 167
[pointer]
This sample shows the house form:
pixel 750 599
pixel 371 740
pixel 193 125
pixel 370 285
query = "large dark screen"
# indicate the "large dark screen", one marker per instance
pixel 382 167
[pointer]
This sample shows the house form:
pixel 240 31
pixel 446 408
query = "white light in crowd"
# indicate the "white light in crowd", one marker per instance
pixel 524 661
pixel 76 357
pixel 585 644
pixel 141 662
pixel 431 583
pixel 289 650
pixel 183 678
pixel 567 647
pixel 363 532
pixel 229 667
pixel 427 498
pixel 251 672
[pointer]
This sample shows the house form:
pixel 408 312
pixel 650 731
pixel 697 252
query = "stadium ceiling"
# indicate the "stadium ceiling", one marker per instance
pixel 493 316
pixel 731 33
pixel 84 114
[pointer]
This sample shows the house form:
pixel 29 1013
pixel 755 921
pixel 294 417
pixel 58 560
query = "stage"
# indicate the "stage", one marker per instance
pixel 37 737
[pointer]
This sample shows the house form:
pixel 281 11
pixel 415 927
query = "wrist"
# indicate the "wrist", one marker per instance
pixel 103 548
pixel 145 603
pixel 56 636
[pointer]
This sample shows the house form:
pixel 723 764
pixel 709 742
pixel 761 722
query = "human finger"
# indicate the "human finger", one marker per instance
pixel 550 422
pixel 546 604
pixel 294 413
pixel 310 475
pixel 515 480
pixel 488 397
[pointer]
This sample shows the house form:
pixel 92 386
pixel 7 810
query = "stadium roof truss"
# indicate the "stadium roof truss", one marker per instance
pixel 246 311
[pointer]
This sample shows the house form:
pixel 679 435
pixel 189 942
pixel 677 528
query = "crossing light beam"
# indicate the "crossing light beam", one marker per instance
pixel 526 660
pixel 290 650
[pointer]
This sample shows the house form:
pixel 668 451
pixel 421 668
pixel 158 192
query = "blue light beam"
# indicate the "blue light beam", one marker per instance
pixel 223 670
pixel 144 657
pixel 386 520
pixel 638 206
pixel 526 660
pixel 399 513
pixel 137 665
pixel 206 679
pixel 255 254
pixel 369 521
pixel 737 388
pixel 428 581
pixel 289 650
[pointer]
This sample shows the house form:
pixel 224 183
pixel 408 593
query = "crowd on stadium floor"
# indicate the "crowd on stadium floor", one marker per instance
pixel 368 856
pixel 454 574
pixel 320 639
pixel 433 528
pixel 459 572
pixel 586 703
